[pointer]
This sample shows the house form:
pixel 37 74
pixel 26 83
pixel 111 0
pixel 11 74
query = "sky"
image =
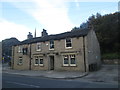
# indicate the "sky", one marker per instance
pixel 18 17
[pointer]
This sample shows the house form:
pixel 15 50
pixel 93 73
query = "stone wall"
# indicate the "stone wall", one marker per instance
pixel 112 61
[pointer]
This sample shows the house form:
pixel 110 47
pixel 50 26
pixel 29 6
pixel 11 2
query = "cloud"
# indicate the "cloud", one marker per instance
pixel 77 3
pixel 51 14
pixel 10 29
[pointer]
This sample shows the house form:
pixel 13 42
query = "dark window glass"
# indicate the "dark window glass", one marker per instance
pixel 66 60
pixel 41 61
pixel 52 44
pixel 68 42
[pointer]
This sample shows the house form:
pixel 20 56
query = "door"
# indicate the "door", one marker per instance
pixel 51 62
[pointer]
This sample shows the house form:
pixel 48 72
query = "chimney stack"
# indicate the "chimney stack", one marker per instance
pixel 35 33
pixel 44 33
pixel 29 36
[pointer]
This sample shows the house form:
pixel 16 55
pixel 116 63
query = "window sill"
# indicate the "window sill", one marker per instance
pixel 73 65
pixel 20 64
pixel 36 65
pixel 52 49
pixel 68 47
pixel 41 65
pixel 70 66
pixel 38 50
pixel 65 65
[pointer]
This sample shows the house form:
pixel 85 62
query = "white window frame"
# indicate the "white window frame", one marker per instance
pixel 69 60
pixel 52 44
pixel 40 45
pixel 20 62
pixel 72 56
pixel 39 58
pixel 39 61
pixel 66 43
pixel 35 61
pixel 20 49
pixel 63 60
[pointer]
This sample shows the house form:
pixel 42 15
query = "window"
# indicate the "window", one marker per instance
pixel 66 62
pixel 25 50
pixel 72 60
pixel 38 47
pixel 68 43
pixel 69 60
pixel 20 49
pixel 41 62
pixel 52 45
pixel 20 61
pixel 38 61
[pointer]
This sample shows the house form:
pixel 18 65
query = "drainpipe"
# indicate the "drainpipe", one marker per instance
pixel 30 58
pixel 84 53
pixel 12 62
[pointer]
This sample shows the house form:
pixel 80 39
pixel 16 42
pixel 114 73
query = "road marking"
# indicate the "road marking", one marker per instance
pixel 23 84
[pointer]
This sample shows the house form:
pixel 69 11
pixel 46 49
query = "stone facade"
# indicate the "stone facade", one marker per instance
pixel 84 52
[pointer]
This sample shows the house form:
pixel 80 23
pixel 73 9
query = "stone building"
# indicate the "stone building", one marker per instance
pixel 76 50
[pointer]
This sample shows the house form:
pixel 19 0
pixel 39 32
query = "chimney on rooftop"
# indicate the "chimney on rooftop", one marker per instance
pixel 44 33
pixel 29 36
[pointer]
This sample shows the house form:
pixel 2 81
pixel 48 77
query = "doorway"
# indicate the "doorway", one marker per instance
pixel 51 62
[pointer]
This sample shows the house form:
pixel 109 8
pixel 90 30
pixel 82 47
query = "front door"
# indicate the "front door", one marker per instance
pixel 51 62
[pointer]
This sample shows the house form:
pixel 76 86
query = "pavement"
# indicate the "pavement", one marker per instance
pixel 47 74
pixel 107 74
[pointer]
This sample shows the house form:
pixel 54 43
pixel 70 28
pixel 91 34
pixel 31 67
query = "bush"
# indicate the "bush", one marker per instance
pixel 111 56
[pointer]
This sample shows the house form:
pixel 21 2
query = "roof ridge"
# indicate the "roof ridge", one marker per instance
pixel 59 36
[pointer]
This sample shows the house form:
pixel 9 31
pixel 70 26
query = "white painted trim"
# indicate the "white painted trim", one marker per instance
pixel 41 64
pixel 68 47
pixel 63 61
pixel 20 49
pixel 69 61
pixel 37 46
pixel 72 64
pixel 52 48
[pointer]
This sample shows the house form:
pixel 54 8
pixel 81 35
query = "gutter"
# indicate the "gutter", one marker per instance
pixel 12 63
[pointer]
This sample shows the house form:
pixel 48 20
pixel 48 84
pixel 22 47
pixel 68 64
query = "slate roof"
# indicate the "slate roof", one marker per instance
pixel 71 34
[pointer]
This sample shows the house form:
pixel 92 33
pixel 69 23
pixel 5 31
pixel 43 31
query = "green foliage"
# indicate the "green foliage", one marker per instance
pixel 111 56
pixel 106 28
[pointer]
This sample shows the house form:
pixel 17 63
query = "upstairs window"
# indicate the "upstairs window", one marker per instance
pixel 20 49
pixel 38 47
pixel 68 43
pixel 25 50
pixel 51 45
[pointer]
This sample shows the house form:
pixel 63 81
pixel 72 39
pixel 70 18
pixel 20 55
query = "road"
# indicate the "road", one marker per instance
pixel 19 81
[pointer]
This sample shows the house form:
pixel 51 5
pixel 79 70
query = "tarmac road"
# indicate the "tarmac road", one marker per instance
pixel 20 81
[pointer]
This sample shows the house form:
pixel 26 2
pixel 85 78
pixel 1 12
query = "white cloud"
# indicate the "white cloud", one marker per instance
pixel 77 3
pixel 10 29
pixel 51 14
